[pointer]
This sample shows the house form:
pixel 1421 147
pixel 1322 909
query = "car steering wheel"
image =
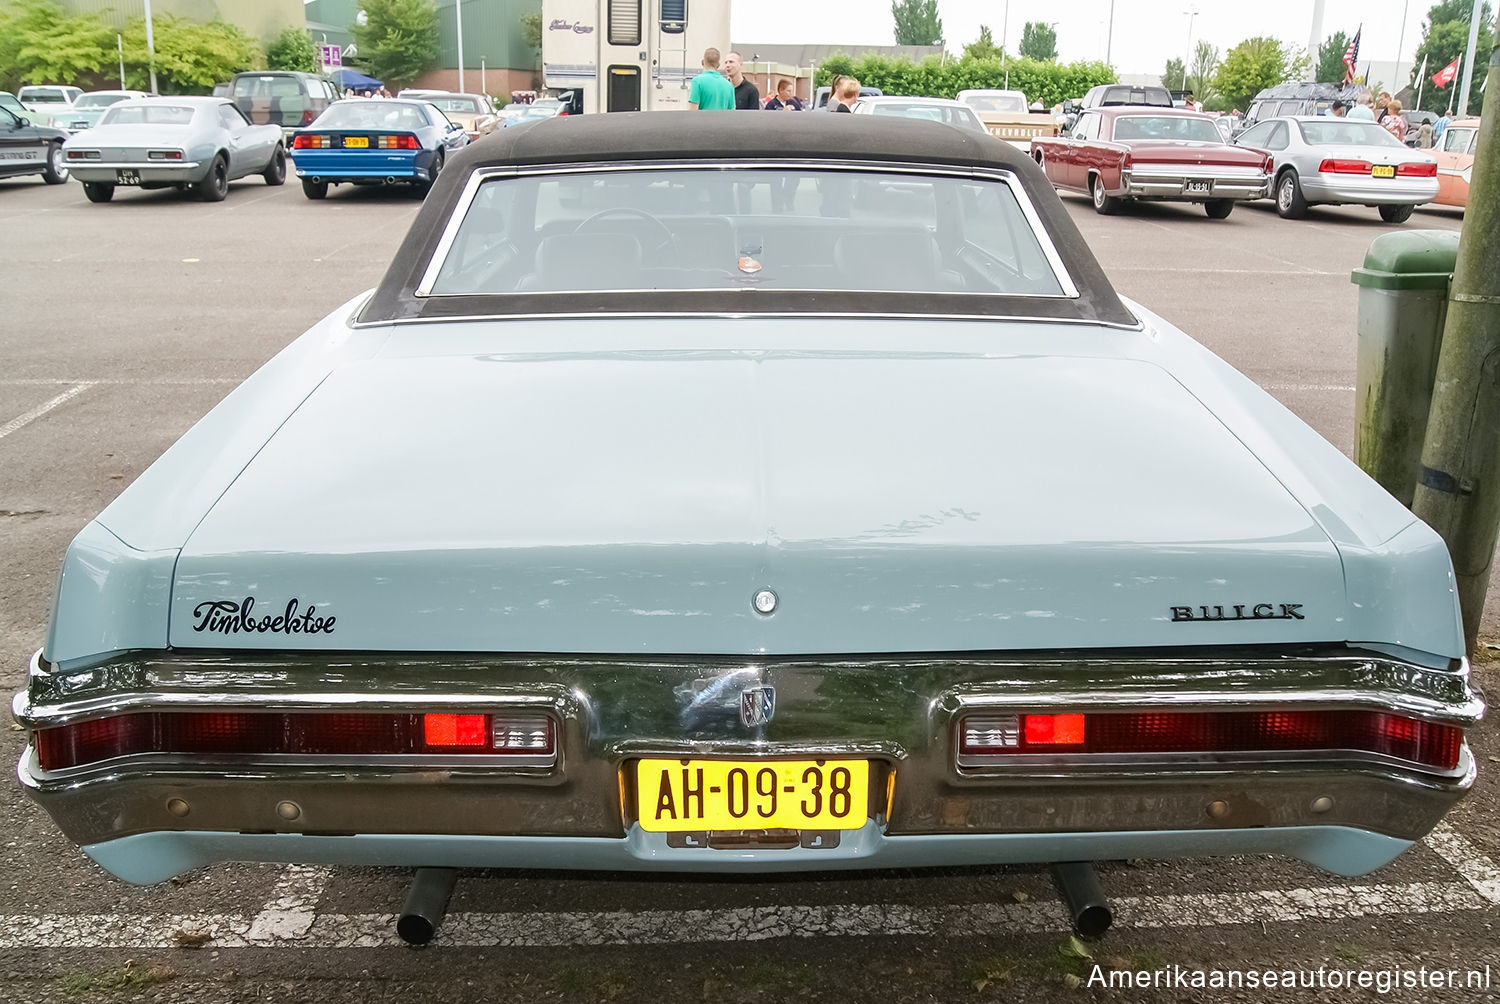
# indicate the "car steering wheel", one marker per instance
pixel 670 240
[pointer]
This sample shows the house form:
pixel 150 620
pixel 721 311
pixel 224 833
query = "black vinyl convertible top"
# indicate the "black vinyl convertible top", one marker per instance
pixel 719 139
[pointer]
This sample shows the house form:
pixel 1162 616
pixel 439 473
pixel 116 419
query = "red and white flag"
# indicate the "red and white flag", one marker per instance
pixel 1351 55
pixel 1444 77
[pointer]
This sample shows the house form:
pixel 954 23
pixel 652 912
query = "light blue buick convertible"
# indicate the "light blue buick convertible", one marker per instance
pixel 784 493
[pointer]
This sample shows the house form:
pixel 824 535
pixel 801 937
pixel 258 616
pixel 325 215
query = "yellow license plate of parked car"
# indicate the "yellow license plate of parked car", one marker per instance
pixel 357 142
pixel 686 795
pixel 1383 171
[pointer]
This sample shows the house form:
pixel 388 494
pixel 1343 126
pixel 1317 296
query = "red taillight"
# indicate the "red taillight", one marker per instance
pixel 1166 732
pixel 1054 730
pixel 527 734
pixel 1334 166
pixel 1417 170
pixel 1269 165
pixel 308 116
pixel 164 155
pixel 307 141
pixel 399 141
pixel 456 730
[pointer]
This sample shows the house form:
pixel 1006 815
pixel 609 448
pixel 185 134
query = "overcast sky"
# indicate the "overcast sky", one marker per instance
pixel 1146 32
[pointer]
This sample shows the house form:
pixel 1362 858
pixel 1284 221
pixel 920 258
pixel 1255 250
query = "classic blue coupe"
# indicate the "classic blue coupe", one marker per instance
pixel 747 494
pixel 365 141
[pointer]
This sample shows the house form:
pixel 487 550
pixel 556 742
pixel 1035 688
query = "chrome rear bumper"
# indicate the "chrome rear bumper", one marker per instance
pixel 899 712
pixel 1172 185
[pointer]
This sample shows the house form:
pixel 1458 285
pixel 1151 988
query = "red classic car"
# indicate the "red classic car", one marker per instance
pixel 1118 153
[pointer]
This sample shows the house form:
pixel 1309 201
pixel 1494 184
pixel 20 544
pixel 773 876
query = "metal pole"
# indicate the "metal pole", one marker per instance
pixel 1459 491
pixel 483 84
pixel 1192 14
pixel 1005 30
pixel 1463 97
pixel 150 47
pixel 458 10
pixel 120 45
pixel 1451 91
pixel 1400 44
pixel 1109 39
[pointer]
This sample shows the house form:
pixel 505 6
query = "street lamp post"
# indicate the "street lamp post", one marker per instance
pixel 458 11
pixel 1191 13
pixel 483 85
pixel 150 47
pixel 1109 38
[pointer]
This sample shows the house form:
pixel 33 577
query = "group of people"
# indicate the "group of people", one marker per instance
pixel 723 86
pixel 1387 111
pixel 368 92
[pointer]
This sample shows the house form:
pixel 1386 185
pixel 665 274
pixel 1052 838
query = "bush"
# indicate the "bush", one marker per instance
pixel 1048 82
pixel 292 50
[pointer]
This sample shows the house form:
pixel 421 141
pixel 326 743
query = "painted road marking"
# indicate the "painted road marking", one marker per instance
pixel 1225 271
pixel 1467 860
pixel 120 381
pixel 21 421
pixel 758 923
pixel 293 906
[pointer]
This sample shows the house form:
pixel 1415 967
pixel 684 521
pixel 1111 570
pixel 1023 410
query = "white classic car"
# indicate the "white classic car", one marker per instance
pixel 811 506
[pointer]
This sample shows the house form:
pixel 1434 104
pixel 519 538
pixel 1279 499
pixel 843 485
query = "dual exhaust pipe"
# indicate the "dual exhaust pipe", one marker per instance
pixel 390 179
pixel 432 889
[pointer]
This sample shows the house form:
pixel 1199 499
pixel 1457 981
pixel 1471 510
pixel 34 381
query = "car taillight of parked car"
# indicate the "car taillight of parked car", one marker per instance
pixel 83 154
pixel 1335 166
pixel 520 734
pixel 1417 170
pixel 401 141
pixel 308 116
pixel 163 154
pixel 309 142
pixel 992 737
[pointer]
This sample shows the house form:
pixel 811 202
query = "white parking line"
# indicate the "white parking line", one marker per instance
pixel 119 381
pixel 293 906
pixel 1467 860
pixel 21 421
pixel 1224 271
pixel 757 923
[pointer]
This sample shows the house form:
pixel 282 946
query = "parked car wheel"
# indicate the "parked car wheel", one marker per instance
pixel 56 171
pixel 215 184
pixel 1396 214
pixel 315 189
pixel 1218 209
pixel 1290 205
pixel 99 191
pixel 1104 203
pixel 437 167
pixel 275 172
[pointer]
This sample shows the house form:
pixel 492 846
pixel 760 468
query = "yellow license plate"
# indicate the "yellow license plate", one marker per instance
pixel 686 795
pixel 356 142
pixel 1382 171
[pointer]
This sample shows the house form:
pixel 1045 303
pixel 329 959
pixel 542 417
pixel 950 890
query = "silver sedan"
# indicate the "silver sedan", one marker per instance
pixel 1328 160
pixel 193 143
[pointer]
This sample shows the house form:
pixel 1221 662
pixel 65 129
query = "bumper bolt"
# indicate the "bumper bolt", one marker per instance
pixel 288 810
pixel 178 807
pixel 1218 808
pixel 1322 803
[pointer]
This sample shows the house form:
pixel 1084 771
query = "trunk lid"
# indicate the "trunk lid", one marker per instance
pixel 636 503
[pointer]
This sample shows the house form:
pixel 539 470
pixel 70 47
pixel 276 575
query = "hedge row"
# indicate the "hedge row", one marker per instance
pixel 1047 82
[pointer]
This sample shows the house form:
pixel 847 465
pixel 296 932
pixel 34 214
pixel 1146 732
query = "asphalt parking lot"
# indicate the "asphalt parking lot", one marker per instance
pixel 123 323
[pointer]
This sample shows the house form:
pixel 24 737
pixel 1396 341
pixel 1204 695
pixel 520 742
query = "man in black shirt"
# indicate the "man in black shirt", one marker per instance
pixel 784 100
pixel 746 94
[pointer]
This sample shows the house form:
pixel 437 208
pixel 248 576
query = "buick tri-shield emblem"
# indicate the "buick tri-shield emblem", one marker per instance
pixel 757 705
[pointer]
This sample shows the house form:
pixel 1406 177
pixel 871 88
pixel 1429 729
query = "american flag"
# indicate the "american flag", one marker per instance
pixel 1351 56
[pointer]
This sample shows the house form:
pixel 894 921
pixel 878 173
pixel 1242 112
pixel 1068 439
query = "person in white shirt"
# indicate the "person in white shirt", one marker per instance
pixel 1362 110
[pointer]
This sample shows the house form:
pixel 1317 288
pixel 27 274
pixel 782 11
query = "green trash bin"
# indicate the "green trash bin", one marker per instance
pixel 1403 302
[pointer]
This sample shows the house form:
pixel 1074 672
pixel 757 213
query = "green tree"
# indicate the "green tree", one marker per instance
pixel 1038 41
pixel 293 49
pixel 1255 64
pixel 531 29
pixel 1200 74
pixel 1175 73
pixel 41 43
pixel 1331 58
pixel 1445 36
pixel 191 56
pixel 983 47
pixel 917 22
pixel 399 40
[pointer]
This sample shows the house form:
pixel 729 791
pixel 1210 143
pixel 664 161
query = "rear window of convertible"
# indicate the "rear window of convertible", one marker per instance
pixel 787 228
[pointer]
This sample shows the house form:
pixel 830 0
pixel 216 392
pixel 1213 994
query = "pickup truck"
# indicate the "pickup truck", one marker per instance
pixel 1006 116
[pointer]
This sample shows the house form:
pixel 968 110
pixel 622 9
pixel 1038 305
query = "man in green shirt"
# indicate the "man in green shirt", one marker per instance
pixel 710 90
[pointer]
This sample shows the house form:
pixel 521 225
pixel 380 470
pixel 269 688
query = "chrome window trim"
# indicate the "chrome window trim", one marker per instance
pixel 728 314
pixel 471 188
